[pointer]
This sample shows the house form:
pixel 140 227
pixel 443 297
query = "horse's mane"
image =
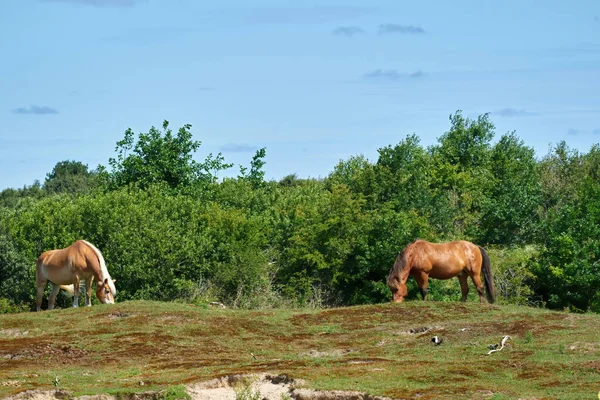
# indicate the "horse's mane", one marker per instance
pixel 103 268
pixel 401 260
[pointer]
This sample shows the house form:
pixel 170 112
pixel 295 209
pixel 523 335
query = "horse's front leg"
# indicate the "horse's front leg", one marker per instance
pixel 52 297
pixel 76 291
pixel 422 279
pixel 88 291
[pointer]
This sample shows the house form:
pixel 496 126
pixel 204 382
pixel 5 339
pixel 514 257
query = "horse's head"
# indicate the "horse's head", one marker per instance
pixel 399 290
pixel 104 293
pixel 394 281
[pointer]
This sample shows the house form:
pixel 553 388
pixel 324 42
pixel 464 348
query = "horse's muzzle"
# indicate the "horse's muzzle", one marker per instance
pixel 397 299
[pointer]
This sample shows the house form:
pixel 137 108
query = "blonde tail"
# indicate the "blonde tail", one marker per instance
pixel 70 289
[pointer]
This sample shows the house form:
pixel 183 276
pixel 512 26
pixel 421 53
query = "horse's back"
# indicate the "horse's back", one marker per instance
pixel 53 265
pixel 446 260
pixel 60 265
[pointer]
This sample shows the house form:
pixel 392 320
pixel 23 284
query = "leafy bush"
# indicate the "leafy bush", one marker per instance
pixel 170 230
pixel 513 276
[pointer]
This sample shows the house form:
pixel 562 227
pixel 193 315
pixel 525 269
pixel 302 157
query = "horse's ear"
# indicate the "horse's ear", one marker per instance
pixel 114 280
pixel 106 281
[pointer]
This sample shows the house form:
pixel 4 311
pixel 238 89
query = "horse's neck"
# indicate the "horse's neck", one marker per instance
pixel 409 259
pixel 403 265
pixel 405 271
pixel 99 273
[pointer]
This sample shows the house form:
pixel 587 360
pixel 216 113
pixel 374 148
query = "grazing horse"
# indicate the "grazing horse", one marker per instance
pixel 423 259
pixel 65 268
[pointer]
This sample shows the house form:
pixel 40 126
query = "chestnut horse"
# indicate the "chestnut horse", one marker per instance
pixel 65 268
pixel 423 259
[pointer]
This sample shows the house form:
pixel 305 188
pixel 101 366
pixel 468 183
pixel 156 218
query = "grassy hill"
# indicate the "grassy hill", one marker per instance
pixel 371 349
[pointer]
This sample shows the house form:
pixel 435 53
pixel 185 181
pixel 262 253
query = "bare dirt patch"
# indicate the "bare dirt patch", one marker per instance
pixel 13 332
pixel 267 387
pixel 32 350
pixel 422 330
pixel 330 353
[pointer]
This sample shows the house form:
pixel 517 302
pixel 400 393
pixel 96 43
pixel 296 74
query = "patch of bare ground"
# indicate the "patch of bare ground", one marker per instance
pixel 421 330
pixel 32 349
pixel 270 387
pixel 12 332
pixel 41 395
pixel 592 365
pixel 516 328
pixel 585 347
pixel 376 314
pixel 330 353
pixel 535 373
pixel 468 391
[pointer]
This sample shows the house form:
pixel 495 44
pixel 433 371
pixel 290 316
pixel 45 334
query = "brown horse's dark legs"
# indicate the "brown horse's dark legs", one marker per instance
pixel 479 285
pixel 423 282
pixel 464 285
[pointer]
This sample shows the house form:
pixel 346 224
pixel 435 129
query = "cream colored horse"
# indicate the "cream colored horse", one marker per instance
pixel 66 268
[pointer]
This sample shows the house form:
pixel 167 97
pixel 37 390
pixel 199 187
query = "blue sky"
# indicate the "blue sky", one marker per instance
pixel 313 82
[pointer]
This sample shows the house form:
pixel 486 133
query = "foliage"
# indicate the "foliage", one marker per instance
pixel 177 392
pixel 510 213
pixel 256 175
pixel 8 307
pixel 171 230
pixel 244 390
pixel 10 198
pixel 162 157
pixel 68 177
pixel 17 277
pixel 513 276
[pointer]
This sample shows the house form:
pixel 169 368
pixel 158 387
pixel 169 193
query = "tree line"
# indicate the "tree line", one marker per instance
pixel 170 229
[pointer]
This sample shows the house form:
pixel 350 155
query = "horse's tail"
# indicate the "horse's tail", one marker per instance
pixel 70 289
pixel 105 273
pixel 486 269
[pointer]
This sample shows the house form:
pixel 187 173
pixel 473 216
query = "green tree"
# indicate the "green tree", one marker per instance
pixel 17 274
pixel 162 157
pixel 568 271
pixel 359 175
pixel 403 176
pixel 11 197
pixel 460 171
pixel 510 211
pixel 256 175
pixel 68 177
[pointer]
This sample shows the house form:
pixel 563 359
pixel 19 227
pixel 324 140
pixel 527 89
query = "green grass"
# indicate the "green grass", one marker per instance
pixel 115 348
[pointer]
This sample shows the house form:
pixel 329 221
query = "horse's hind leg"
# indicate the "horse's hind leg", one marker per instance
pixel 52 297
pixel 76 282
pixel 40 286
pixel 479 285
pixel 464 285
pixel 423 282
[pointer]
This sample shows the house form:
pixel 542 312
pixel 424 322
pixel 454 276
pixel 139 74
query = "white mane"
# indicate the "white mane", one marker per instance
pixel 105 274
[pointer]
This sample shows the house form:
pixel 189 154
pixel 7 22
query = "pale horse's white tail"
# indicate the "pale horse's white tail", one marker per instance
pixel 70 289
